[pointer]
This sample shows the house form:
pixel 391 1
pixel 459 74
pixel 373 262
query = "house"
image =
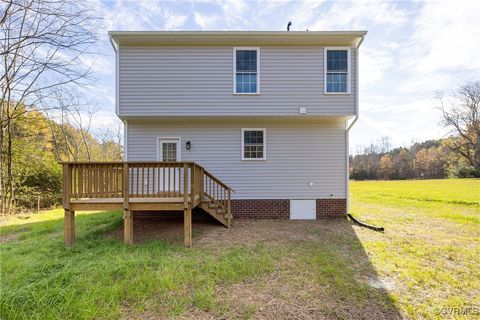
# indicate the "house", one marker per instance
pixel 266 114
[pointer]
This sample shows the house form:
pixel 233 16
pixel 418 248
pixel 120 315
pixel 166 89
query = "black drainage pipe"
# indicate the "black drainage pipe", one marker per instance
pixel 375 228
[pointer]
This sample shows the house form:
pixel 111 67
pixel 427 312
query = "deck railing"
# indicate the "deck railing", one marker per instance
pixel 142 186
pixel 102 180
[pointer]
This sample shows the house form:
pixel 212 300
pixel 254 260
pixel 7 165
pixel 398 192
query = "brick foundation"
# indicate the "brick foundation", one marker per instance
pixel 331 208
pixel 256 209
pixel 261 209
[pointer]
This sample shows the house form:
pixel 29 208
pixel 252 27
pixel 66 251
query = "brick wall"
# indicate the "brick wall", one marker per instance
pixel 261 209
pixel 331 208
pixel 256 209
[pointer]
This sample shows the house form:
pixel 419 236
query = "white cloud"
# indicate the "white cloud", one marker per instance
pixel 174 21
pixel 451 35
pixel 206 21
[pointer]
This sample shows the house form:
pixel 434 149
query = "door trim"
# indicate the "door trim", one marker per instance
pixel 179 147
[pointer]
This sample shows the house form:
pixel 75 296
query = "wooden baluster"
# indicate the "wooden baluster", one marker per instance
pixel 185 186
pixel 163 179
pixel 148 180
pixel 192 185
pixel 106 187
pixel 229 210
pixel 126 188
pixel 174 180
pixel 142 181
pixel 137 173
pixel 169 180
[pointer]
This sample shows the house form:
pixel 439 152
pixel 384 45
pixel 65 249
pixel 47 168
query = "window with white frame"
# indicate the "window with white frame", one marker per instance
pixel 337 67
pixel 246 65
pixel 253 144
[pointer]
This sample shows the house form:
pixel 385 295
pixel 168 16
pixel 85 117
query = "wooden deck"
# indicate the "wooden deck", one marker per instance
pixel 142 186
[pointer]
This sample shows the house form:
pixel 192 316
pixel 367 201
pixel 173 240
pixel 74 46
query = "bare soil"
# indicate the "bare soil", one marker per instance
pixel 289 292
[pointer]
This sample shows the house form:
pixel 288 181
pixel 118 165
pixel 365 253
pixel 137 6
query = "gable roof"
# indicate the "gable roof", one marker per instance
pixel 237 38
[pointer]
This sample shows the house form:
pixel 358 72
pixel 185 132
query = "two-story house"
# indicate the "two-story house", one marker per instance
pixel 268 113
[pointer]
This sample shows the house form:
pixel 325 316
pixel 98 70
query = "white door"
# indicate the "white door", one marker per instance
pixel 303 210
pixel 169 150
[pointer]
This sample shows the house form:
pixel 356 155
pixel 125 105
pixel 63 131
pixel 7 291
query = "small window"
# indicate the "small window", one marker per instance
pixel 246 62
pixel 337 70
pixel 253 144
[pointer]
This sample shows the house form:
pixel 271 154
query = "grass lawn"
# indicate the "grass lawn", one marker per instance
pixel 428 260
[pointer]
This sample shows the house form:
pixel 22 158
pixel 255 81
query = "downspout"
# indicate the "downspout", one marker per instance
pixel 347 131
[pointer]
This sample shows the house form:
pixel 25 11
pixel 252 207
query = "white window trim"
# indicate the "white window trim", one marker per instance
pixel 264 144
pixel 235 71
pixel 179 149
pixel 325 70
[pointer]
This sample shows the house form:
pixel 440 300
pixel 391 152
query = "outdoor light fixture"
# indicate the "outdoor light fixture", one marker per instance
pixel 187 145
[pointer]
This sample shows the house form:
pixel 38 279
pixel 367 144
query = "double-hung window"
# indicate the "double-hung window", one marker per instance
pixel 246 70
pixel 337 70
pixel 253 144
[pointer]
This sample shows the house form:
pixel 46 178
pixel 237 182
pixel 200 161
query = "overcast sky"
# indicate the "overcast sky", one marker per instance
pixel 412 51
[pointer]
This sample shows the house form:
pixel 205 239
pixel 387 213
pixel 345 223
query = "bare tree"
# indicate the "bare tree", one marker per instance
pixel 41 42
pixel 463 118
pixel 72 112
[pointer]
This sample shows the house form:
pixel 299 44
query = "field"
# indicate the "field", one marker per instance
pixel 424 266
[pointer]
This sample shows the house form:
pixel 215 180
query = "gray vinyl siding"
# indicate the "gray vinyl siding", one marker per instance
pixel 191 81
pixel 296 154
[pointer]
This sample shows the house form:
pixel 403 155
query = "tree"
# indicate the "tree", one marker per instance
pixel 385 167
pixel 41 44
pixel 402 163
pixel 421 163
pixel 463 118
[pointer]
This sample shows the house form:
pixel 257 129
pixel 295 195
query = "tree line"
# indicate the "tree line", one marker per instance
pixel 455 156
pixel 431 159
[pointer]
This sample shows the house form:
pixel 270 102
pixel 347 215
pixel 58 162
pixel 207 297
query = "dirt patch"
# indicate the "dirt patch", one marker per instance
pixel 170 231
pixel 254 232
pixel 8 237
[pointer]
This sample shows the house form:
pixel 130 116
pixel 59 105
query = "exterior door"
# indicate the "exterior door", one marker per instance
pixel 169 150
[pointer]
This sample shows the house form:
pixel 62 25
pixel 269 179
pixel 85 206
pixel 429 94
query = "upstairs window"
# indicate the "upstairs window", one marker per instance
pixel 337 65
pixel 246 66
pixel 253 144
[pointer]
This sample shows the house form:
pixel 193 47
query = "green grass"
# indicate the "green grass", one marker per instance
pixel 432 241
pixel 430 255
pixel 101 278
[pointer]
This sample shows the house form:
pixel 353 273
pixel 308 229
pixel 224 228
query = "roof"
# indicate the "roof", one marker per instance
pixel 237 38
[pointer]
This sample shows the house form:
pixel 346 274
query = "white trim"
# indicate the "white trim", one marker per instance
pixel 235 71
pixel 325 49
pixel 117 81
pixel 179 148
pixel 264 144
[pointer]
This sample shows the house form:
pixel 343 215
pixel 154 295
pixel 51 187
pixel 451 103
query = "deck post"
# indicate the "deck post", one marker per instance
pixel 128 227
pixel 69 227
pixel 229 210
pixel 187 227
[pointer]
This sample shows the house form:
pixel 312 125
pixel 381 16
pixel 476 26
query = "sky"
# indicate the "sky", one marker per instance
pixel 413 51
